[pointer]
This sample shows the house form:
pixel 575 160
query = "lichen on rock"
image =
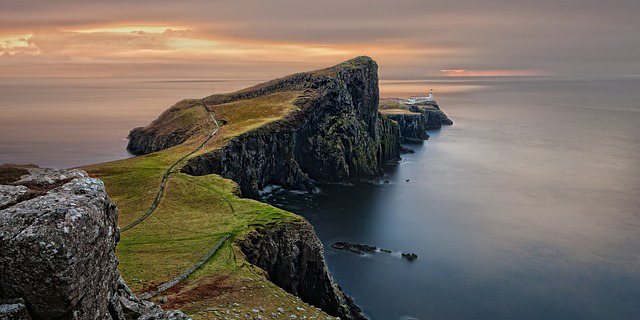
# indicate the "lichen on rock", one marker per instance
pixel 57 249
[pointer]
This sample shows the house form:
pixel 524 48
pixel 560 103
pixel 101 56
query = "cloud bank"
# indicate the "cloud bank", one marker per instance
pixel 410 38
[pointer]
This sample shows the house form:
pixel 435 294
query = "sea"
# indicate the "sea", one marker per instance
pixel 528 207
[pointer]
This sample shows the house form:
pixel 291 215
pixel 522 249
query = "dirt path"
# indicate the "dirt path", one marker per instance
pixel 165 177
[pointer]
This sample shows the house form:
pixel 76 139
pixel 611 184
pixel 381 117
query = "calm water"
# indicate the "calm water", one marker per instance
pixel 527 208
pixel 66 122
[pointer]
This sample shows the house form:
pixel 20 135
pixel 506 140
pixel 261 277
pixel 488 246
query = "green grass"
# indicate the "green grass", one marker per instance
pixel 397 111
pixel 195 211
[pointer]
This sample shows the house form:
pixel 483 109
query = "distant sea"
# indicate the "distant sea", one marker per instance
pixel 527 208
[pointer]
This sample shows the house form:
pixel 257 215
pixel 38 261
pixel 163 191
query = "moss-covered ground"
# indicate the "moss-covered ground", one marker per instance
pixel 194 213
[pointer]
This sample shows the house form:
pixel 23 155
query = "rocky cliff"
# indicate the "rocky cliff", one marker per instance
pixel 292 256
pixel 58 232
pixel 336 136
pixel 173 127
pixel 434 117
pixel 415 120
pixel 413 126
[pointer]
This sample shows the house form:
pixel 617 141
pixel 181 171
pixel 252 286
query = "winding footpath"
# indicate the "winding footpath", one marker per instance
pixel 185 274
pixel 165 177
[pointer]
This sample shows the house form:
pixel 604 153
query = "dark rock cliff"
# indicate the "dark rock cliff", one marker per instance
pixel 292 256
pixel 434 117
pixel 338 136
pixel 58 233
pixel 173 127
pixel 142 141
pixel 413 126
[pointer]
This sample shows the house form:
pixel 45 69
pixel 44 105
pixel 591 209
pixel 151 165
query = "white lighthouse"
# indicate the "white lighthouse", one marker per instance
pixel 418 99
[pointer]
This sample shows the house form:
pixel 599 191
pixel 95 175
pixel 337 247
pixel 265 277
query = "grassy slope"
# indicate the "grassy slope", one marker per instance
pixel 397 111
pixel 194 213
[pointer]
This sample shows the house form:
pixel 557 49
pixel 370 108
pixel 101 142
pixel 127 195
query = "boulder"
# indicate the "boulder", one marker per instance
pixel 57 248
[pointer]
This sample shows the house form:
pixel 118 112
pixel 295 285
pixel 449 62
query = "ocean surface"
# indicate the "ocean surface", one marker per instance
pixel 528 207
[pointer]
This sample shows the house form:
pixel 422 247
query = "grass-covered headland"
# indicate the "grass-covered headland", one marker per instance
pixel 195 212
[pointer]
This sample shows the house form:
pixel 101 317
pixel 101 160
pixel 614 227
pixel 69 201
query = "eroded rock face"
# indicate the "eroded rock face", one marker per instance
pixel 433 116
pixel 57 248
pixel 413 126
pixel 293 257
pixel 143 141
pixel 338 136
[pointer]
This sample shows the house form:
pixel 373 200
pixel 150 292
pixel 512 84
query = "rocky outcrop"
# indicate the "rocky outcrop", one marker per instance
pixel 362 249
pixel 293 257
pixel 354 247
pixel 433 116
pixel 413 126
pixel 173 127
pixel 338 136
pixel 143 141
pixel 415 120
pixel 57 250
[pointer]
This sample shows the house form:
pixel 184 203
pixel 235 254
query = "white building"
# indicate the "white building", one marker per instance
pixel 418 99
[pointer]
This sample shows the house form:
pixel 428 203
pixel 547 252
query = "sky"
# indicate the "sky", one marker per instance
pixel 410 39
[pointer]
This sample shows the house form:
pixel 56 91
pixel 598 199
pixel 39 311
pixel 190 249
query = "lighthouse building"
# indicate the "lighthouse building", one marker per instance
pixel 418 99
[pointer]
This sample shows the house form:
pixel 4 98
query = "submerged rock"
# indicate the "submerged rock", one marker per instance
pixel 406 150
pixel 410 256
pixel 354 247
pixel 57 250
pixel 365 248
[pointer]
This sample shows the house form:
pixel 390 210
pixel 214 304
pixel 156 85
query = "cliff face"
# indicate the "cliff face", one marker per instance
pixel 58 232
pixel 433 116
pixel 337 136
pixel 413 126
pixel 415 120
pixel 143 141
pixel 173 127
pixel 292 256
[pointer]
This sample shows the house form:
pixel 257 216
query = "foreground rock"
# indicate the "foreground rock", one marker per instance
pixel 57 250
pixel 293 257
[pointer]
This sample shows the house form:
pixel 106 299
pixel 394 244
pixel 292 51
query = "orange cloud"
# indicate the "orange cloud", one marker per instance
pixel 490 73
pixel 114 46
pixel 154 42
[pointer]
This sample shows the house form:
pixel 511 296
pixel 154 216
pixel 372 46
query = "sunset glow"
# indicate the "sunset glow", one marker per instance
pixel 410 40
pixel 492 73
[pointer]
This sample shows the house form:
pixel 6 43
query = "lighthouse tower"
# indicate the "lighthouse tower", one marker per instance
pixel 430 97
